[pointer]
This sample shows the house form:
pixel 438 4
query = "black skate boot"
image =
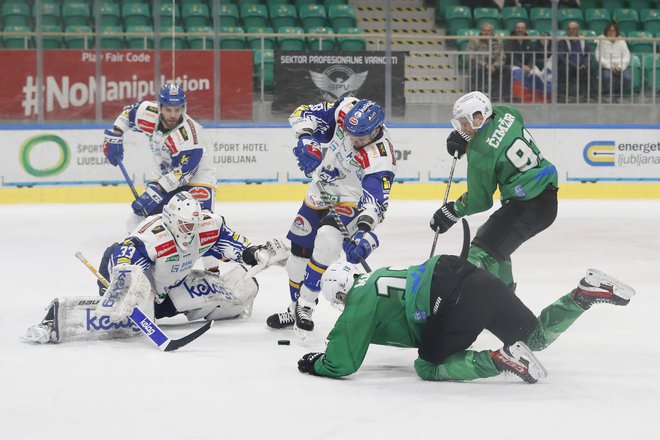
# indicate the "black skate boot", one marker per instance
pixel 303 315
pixel 598 287
pixel 282 320
pixel 519 360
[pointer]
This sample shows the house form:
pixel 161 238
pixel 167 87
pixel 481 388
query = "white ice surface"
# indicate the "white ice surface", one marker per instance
pixel 236 382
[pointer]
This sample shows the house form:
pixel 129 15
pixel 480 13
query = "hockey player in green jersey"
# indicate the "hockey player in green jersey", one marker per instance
pixel 440 307
pixel 502 154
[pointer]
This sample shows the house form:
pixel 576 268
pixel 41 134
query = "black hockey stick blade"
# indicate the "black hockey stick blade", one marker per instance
pixel 466 239
pixel 175 344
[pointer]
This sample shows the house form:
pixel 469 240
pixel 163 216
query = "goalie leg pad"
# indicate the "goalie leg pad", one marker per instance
pixel 128 287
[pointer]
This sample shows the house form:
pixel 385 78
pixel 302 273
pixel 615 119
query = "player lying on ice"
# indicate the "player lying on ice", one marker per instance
pixel 440 307
pixel 158 256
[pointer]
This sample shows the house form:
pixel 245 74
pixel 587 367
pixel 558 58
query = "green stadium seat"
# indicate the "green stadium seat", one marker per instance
pixel 355 43
pixel 640 46
pixel 301 3
pixel 597 19
pixel 254 15
pixel 73 39
pixel 611 5
pixel 638 5
pixel 651 64
pixel 15 14
pixel 486 15
pixel 110 15
pixel 650 19
pixel 110 38
pixel 166 11
pixel 270 3
pixel 441 8
pixel 636 66
pixel 268 70
pixel 591 35
pixel 462 43
pixel 533 33
pixel 512 15
pixel 293 40
pixel 282 15
pixel 200 41
pixel 75 14
pixel 140 41
pixel 541 19
pixel 341 16
pixel 626 19
pixel 256 42
pixel 166 39
pixel 566 15
pixel 51 41
pixel 312 16
pixel 589 4
pixel 143 2
pixel 234 41
pixel 321 43
pixel 50 14
pixel 228 14
pixel 501 33
pixel 197 14
pixel 458 17
pixel 328 3
pixel 135 14
pixel 17 41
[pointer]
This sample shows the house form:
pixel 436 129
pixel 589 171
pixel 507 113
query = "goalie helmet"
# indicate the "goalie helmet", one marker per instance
pixel 362 123
pixel 182 216
pixel 336 281
pixel 467 105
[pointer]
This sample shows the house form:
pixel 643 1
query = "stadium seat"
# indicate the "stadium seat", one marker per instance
pixel 636 66
pixel 301 3
pixel 293 40
pixel 458 17
pixel 145 41
pixel 197 14
pixel 589 4
pixel 651 64
pixel 110 38
pixel 270 3
pixel 15 14
pixel 109 12
pixel 312 16
pixel 486 15
pixel 50 14
pixel 200 41
pixel 597 19
pixel 355 42
pixel 268 71
pixel 234 41
pixel 51 41
pixel 73 39
pixel 328 3
pixel 541 19
pixel 321 43
pixel 566 15
pixel 611 5
pixel 166 11
pixel 135 14
pixel 75 14
pixel 228 14
pixel 166 37
pixel 590 35
pixel 626 19
pixel 512 15
pixel 256 42
pixel 254 15
pixel 650 19
pixel 17 41
pixel 640 46
pixel 441 8
pixel 639 5
pixel 282 15
pixel 462 43
pixel 341 16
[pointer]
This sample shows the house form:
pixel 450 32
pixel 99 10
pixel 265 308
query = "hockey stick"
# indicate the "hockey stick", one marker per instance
pixel 146 324
pixel 444 200
pixel 342 227
pixel 130 183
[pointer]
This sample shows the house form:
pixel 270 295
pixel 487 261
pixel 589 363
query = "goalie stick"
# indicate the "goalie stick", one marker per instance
pixel 146 324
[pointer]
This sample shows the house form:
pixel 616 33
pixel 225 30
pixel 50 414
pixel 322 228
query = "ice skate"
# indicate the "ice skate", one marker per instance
pixel 40 333
pixel 282 320
pixel 303 315
pixel 519 360
pixel 598 287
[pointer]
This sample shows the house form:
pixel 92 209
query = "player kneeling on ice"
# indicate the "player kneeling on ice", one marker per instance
pixel 440 307
pixel 158 256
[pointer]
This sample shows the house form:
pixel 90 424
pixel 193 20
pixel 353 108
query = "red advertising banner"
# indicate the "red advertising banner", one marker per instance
pixel 71 90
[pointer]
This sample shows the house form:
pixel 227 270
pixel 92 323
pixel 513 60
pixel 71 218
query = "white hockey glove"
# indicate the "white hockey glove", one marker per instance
pixel 274 251
pixel 128 287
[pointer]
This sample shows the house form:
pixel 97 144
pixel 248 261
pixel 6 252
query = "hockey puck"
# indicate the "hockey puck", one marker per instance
pixel 283 342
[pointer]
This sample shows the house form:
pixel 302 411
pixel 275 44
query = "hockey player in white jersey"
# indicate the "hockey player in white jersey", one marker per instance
pixel 178 146
pixel 356 173
pixel 164 248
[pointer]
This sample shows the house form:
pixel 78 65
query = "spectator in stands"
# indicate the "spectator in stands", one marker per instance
pixel 523 53
pixel 573 58
pixel 613 59
pixel 487 70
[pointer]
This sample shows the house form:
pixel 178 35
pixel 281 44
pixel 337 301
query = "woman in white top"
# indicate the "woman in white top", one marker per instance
pixel 614 58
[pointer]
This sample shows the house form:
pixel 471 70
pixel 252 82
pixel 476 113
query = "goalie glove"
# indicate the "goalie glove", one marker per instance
pixel 128 287
pixel 274 251
pixel 306 363
pixel 113 147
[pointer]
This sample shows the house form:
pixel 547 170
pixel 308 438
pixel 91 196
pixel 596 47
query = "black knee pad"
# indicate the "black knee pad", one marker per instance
pixel 300 251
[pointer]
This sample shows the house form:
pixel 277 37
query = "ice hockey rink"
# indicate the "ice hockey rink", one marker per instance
pixel 235 382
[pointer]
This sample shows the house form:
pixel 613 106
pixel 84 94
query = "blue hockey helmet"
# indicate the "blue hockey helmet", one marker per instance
pixel 172 95
pixel 364 118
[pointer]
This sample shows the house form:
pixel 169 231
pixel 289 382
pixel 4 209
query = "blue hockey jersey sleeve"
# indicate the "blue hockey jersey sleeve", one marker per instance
pixel 229 245
pixel 131 251
pixel 186 163
pixel 376 193
pixel 317 119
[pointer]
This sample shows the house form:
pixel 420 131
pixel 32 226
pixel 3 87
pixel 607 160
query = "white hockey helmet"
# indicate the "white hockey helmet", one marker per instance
pixel 467 105
pixel 336 281
pixel 182 216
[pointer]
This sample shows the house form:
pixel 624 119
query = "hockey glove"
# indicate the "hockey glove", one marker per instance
pixel 306 363
pixel 456 143
pixel 309 155
pixel 360 246
pixel 444 218
pixel 149 201
pixel 113 147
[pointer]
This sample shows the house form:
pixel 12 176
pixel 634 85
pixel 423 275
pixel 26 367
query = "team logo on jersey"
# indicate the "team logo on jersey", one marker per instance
pixel 172 258
pixel 362 158
pixel 338 81
pixel 381 149
pixel 152 109
pixel 184 133
pixel 165 249
pixel 300 226
pixel 386 184
pixel 158 229
pixel 208 237
pixel 345 210
pixel 599 153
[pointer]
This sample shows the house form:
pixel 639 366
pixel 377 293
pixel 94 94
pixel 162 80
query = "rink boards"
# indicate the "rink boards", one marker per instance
pixel 255 162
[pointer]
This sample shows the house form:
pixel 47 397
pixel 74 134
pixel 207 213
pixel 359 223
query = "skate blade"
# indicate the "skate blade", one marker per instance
pixel 595 277
pixel 300 334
